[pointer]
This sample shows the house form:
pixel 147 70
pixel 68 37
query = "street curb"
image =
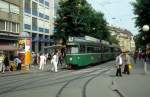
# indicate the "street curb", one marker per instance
pixel 14 73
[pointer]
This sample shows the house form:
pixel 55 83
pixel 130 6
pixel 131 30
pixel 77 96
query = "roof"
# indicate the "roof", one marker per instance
pixel 6 47
pixel 55 46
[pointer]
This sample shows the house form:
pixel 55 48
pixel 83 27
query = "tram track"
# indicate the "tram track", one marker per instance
pixel 54 80
pixel 89 80
pixel 84 75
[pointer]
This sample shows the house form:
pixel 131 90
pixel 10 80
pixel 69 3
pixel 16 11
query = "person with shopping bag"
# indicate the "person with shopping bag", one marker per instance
pixel 126 61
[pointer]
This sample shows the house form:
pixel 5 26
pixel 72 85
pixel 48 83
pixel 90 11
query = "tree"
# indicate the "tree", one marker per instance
pixel 139 41
pixel 113 39
pixel 142 11
pixel 77 18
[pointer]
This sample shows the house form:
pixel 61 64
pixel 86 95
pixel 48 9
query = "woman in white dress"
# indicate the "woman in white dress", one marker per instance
pixel 42 62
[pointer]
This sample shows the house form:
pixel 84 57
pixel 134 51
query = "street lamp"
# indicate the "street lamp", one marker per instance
pixel 145 28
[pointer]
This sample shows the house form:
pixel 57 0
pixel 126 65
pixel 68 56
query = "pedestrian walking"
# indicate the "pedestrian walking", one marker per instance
pixel 119 65
pixel 38 58
pixel 34 55
pixel 2 66
pixel 6 63
pixel 18 63
pixel 135 56
pixel 126 61
pixel 60 58
pixel 54 61
pixel 42 61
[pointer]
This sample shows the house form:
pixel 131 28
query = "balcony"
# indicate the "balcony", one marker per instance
pixel 10 17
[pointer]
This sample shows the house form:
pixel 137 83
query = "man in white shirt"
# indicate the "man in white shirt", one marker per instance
pixel 119 65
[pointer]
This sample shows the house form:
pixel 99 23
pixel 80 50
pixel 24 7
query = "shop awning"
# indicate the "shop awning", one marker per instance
pixel 7 48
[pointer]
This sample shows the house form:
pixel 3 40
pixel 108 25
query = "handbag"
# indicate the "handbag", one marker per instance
pixel 130 66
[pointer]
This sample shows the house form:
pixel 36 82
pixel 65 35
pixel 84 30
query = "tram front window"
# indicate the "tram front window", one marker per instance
pixel 72 49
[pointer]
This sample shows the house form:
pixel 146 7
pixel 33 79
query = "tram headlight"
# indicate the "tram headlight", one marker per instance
pixel 78 57
pixel 70 58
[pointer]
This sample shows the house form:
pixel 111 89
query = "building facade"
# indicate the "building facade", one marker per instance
pixel 37 20
pixel 125 38
pixel 9 24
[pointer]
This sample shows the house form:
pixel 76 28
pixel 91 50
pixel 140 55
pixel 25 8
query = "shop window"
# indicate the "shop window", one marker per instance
pixel 14 28
pixel 2 25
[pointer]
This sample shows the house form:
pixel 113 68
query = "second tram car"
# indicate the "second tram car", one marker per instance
pixel 82 51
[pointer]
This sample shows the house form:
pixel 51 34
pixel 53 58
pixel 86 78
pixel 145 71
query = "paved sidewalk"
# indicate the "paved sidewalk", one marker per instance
pixel 137 84
pixel 33 69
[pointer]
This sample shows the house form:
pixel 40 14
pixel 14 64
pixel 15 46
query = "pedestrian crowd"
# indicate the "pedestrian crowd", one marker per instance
pixel 123 60
pixel 9 63
pixel 54 59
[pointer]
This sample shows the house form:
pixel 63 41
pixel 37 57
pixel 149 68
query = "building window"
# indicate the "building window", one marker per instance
pixel 2 25
pixel 34 9
pixel 8 26
pixel 27 26
pixel 34 24
pixel 27 6
pixel 41 29
pixel 14 9
pixel 41 15
pixel 4 6
pixel 41 1
pixel 47 3
pixel 46 17
pixel 14 28
pixel 46 30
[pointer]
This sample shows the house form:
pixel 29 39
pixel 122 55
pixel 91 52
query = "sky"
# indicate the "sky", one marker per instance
pixel 118 13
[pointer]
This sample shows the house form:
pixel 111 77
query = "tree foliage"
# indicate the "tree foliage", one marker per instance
pixel 142 11
pixel 78 18
pixel 113 39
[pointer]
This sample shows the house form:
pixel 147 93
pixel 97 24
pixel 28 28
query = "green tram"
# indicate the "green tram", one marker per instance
pixel 82 52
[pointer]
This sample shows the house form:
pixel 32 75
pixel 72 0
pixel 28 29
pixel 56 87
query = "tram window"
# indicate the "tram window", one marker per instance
pixel 96 49
pixel 68 50
pixel 90 49
pixel 82 48
pixel 72 49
